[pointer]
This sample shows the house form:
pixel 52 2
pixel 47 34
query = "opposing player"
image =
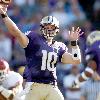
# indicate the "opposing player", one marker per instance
pixel 10 82
pixel 42 55
pixel 92 58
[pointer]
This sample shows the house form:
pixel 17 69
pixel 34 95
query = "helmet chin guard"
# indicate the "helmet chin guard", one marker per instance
pixel 49 33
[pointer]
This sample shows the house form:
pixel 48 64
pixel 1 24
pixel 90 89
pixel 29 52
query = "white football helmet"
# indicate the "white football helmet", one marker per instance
pixel 93 37
pixel 49 33
pixel 4 68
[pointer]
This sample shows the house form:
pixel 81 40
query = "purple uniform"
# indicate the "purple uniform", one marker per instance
pixel 93 53
pixel 42 59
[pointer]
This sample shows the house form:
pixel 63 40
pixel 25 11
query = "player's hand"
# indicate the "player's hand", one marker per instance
pixel 75 34
pixel 3 8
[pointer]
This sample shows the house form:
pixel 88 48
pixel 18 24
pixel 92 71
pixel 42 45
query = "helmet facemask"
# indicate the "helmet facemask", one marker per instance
pixel 49 27
pixel 49 33
pixel 3 75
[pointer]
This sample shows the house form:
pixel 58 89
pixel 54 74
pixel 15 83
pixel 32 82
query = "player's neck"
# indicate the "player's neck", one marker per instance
pixel 49 41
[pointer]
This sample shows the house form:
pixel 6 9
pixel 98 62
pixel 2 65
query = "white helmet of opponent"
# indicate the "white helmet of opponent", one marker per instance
pixel 49 34
pixel 4 68
pixel 93 37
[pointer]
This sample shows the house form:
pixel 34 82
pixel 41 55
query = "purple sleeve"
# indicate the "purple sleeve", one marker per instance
pixel 32 38
pixel 91 54
pixel 62 50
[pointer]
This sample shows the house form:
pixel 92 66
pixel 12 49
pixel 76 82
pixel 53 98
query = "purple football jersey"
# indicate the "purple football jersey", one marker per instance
pixel 94 50
pixel 42 59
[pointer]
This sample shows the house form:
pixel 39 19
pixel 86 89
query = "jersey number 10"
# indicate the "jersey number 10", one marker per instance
pixel 48 60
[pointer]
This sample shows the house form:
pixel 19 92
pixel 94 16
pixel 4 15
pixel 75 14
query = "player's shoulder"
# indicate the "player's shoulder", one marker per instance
pixel 32 34
pixel 60 45
pixel 92 51
pixel 12 79
pixel 94 47
pixel 28 32
pixel 15 75
pixel 90 56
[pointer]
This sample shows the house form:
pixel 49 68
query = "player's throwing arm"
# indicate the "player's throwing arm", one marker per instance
pixel 13 29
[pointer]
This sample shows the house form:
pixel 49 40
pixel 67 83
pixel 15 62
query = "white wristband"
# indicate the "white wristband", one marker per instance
pixel 76 54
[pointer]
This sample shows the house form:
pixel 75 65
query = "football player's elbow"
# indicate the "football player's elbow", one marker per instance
pixel 71 61
pixel 76 60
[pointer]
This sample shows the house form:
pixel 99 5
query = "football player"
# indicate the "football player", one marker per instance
pixel 10 82
pixel 92 58
pixel 42 55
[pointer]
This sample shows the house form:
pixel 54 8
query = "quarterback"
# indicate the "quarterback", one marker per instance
pixel 92 59
pixel 43 54
pixel 10 82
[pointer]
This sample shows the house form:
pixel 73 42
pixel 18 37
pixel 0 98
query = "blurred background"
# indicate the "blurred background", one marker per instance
pixel 27 14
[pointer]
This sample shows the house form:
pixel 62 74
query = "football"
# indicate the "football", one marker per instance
pixel 6 2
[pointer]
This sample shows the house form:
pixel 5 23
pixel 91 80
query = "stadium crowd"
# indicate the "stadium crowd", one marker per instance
pixel 27 14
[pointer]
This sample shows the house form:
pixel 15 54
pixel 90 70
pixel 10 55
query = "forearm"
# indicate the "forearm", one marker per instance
pixel 13 29
pixel 76 55
pixel 73 58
